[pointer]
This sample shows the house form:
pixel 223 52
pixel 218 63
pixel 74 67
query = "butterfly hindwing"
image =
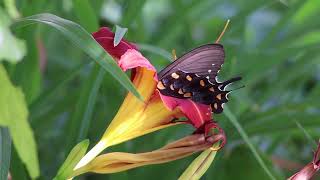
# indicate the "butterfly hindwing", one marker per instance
pixel 199 89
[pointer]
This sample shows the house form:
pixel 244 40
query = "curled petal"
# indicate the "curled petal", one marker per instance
pixel 133 59
pixel 119 161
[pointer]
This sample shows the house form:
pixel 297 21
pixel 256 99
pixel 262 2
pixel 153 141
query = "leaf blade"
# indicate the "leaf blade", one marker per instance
pixel 245 137
pixel 81 38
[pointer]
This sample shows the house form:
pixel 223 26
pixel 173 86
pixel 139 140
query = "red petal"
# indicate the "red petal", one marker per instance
pixel 105 38
pixel 198 114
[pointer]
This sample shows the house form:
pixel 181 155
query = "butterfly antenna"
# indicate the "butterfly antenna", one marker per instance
pixel 174 55
pixel 223 31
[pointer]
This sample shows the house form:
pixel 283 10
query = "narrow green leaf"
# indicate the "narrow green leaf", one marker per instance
pixel 245 137
pixel 5 152
pixel 305 132
pixel 119 34
pixel 199 166
pixel 81 38
pixel 85 123
pixel 36 106
pixel 73 158
pixel 14 115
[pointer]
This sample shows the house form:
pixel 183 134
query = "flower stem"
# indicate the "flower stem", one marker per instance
pixel 95 151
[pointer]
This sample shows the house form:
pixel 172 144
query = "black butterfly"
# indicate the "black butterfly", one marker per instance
pixel 194 75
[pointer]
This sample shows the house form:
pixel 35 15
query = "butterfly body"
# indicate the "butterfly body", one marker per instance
pixel 193 76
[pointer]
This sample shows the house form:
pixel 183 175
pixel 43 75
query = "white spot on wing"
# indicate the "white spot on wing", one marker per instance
pixel 207 77
pixel 227 95
pixel 216 78
pixel 209 71
pixel 213 64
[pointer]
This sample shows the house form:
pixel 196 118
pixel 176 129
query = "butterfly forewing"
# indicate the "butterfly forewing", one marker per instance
pixel 205 60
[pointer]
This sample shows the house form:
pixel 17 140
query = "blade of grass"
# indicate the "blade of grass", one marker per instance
pixel 245 137
pixel 85 123
pixel 37 104
pixel 305 132
pixel 81 38
pixel 5 152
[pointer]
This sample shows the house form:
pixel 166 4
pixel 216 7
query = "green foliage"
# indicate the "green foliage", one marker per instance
pixel 14 115
pixel 199 166
pixel 273 45
pixel 5 152
pixel 71 161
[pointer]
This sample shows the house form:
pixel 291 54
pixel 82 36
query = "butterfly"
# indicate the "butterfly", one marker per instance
pixel 194 76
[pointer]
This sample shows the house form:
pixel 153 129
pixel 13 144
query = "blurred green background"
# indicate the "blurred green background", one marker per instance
pixel 273 45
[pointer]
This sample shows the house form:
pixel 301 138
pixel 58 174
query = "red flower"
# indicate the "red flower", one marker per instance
pixel 310 169
pixel 136 118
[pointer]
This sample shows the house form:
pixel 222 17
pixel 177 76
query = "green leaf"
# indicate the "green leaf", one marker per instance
pixel 199 166
pixel 5 152
pixel 14 114
pixel 73 158
pixel 11 48
pixel 119 34
pixel 245 137
pixel 82 116
pixel 81 38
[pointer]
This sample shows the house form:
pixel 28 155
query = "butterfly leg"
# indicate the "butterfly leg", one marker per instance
pixel 174 55
pixel 213 133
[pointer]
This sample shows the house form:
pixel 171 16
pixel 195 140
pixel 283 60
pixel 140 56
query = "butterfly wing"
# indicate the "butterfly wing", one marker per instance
pixel 205 61
pixel 193 76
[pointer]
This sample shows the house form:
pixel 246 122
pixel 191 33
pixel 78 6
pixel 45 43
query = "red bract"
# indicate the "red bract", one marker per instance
pixel 310 169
